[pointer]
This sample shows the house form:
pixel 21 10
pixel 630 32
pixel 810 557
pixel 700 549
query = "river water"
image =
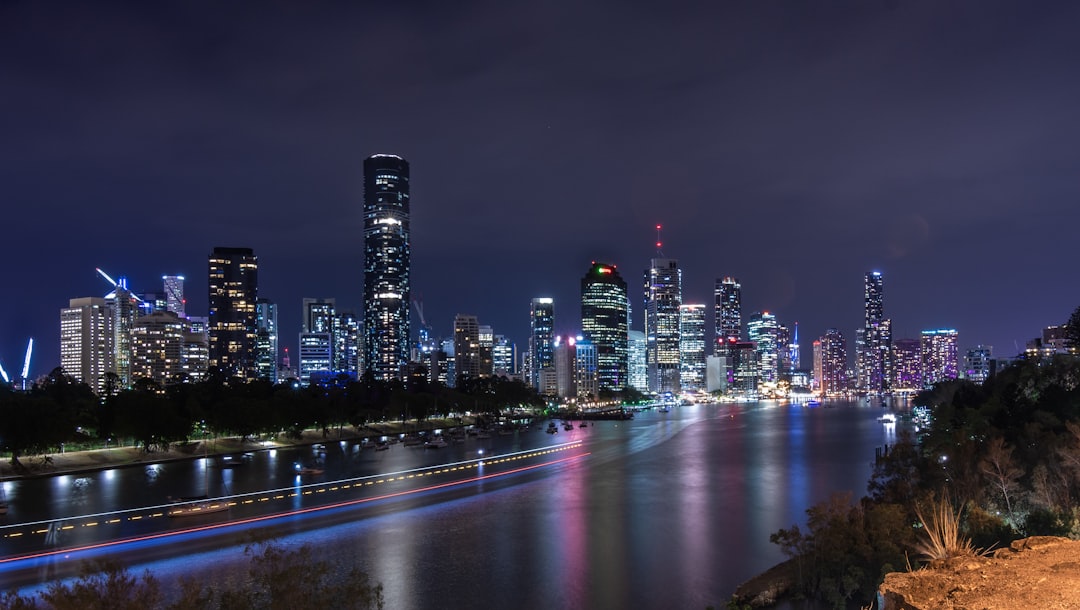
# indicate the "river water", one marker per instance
pixel 668 510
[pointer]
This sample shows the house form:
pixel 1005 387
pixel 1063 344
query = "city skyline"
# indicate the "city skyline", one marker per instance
pixel 792 148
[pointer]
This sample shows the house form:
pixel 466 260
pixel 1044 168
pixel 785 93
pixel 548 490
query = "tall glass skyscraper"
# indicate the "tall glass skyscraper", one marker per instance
pixel 233 325
pixel 386 266
pixel 541 338
pixel 663 297
pixel 727 312
pixel 266 340
pixel 174 294
pixel 604 323
pixel 692 347
pixel 873 342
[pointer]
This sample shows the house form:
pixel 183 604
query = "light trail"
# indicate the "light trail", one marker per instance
pixel 10 562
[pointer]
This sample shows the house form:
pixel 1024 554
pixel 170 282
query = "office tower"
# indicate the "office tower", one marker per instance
pixel 763 331
pixel 541 338
pixel 266 340
pixel 586 370
pixel 347 335
pixel 832 377
pixel 503 356
pixel 174 294
pixel 233 283
pixel 195 351
pixel 466 347
pixel 604 323
pixel 792 357
pixel 125 309
pixel 978 363
pixel 563 371
pixel 744 376
pixel 906 366
pixel 692 347
pixel 386 266
pixel 87 350
pixel 449 371
pixel 727 311
pixel 157 348
pixel 873 342
pixel 487 350
pixel 663 296
pixel 315 357
pixel 939 356
pixel 637 370
pixel 317 315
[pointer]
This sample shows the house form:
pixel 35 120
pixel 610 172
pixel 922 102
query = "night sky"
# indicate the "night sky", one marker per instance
pixel 794 145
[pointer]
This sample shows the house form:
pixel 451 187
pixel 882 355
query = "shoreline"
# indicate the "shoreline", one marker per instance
pixel 95 460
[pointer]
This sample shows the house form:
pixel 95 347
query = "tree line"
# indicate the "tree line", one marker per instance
pixel 60 411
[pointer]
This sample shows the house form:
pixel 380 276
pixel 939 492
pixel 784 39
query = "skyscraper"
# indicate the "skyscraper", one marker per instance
pixel 978 363
pixel 233 283
pixel 831 363
pixel 873 342
pixel 174 294
pixel 727 311
pixel 541 338
pixel 266 340
pixel 467 360
pixel 939 356
pixel 604 323
pixel 386 266
pixel 157 347
pixel 763 330
pixel 86 341
pixel 663 296
pixel 692 347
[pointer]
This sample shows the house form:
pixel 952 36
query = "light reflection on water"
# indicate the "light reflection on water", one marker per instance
pixel 669 511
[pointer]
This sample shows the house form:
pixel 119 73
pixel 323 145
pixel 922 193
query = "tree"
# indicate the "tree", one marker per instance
pixel 1072 331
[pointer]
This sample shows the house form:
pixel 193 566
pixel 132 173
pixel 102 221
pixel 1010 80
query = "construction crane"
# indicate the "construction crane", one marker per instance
pixel 26 362
pixel 121 284
pixel 3 374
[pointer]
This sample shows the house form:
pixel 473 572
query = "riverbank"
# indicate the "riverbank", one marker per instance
pixel 71 462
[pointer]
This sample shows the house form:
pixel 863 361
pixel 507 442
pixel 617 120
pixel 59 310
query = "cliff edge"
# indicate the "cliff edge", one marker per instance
pixel 1037 572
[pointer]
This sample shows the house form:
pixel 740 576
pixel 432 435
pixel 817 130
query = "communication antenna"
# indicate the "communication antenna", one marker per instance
pixel 659 243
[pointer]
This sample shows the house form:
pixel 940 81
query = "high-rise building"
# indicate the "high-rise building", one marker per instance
pixel 347 335
pixel 873 342
pixel 586 370
pixel 763 331
pixel 503 355
pixel 832 374
pixel 978 363
pixel 743 376
pixel 315 356
pixel 541 338
pixel 635 359
pixel 663 297
pixel 87 338
pixel 174 294
pixel 233 283
pixel 157 347
pixel 386 266
pixel 487 351
pixel 266 340
pixel 692 347
pixel 467 359
pixel 604 323
pixel 727 311
pixel 939 356
pixel 125 309
pixel 906 366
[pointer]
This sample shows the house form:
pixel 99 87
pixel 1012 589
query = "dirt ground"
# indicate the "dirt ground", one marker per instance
pixel 1035 573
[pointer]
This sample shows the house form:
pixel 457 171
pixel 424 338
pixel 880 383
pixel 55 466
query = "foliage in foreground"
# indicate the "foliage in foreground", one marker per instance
pixel 278 579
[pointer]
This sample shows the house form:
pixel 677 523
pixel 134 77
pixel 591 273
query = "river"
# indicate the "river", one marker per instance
pixel 668 510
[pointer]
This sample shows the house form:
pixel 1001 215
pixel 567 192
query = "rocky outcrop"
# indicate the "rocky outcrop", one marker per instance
pixel 1038 572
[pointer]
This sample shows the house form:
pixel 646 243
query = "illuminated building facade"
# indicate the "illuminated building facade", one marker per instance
pixel 503 356
pixel 635 361
pixel 266 340
pixel 663 297
pixel 906 366
pixel 467 359
pixel 874 340
pixel 586 369
pixel 604 320
pixel 157 342
pixel 832 376
pixel 174 294
pixel 87 352
pixel 386 266
pixel 939 356
pixel 692 347
pixel 487 351
pixel 233 326
pixel 727 311
pixel 978 363
pixel 541 338
pixel 763 331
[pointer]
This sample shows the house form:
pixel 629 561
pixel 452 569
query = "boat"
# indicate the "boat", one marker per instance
pixel 665 409
pixel 3 500
pixel 568 425
pixel 583 424
pixel 307 470
pixel 552 428
pixel 437 442
pixel 888 418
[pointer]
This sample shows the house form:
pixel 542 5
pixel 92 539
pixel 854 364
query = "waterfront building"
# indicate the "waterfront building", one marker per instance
pixel 564 370
pixel 762 329
pixel 541 338
pixel 604 323
pixel 487 351
pixel 663 297
pixel 637 370
pixel 744 377
pixel 873 341
pixel 907 366
pixel 978 363
pixel 233 282
pixel 586 370
pixel 692 347
pixel 939 356
pixel 266 340
pixel 157 342
pixel 503 356
pixel 87 338
pixel 387 266
pixel 467 358
pixel 727 311
pixel 174 294
pixel 831 363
